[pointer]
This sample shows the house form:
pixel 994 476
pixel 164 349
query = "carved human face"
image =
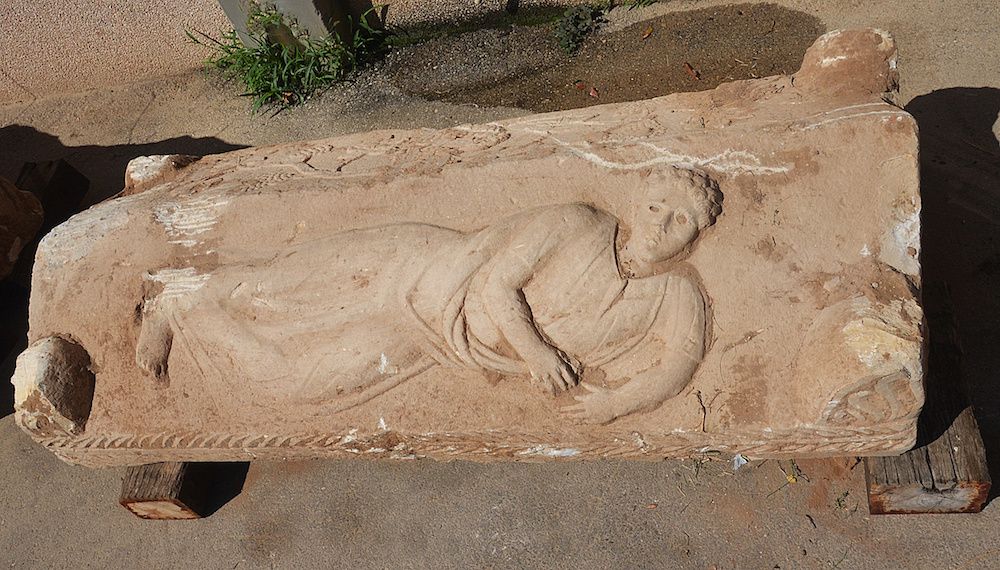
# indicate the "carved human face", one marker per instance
pixel 662 225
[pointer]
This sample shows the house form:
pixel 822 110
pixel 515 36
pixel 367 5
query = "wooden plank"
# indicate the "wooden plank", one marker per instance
pixel 158 491
pixel 947 471
pixel 178 491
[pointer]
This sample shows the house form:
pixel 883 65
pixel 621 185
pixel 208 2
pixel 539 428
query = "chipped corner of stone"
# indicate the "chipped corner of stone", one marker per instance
pixel 886 340
pixel 887 337
pixel 44 405
pixel 143 172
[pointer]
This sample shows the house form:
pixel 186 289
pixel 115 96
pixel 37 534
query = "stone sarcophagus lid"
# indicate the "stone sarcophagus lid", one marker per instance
pixel 733 270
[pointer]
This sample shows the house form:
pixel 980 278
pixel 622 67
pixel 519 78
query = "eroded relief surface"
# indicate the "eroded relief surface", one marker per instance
pixel 549 295
pixel 734 270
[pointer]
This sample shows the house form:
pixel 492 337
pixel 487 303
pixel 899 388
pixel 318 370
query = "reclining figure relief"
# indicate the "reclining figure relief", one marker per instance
pixel 556 294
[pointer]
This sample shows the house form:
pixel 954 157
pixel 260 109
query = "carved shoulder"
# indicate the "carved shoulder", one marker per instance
pixel 573 216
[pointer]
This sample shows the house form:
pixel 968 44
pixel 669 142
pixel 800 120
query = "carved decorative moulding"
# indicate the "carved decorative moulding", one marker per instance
pixel 733 270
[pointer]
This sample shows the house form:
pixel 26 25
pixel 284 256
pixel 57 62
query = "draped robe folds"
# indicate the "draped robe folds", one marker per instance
pixel 343 319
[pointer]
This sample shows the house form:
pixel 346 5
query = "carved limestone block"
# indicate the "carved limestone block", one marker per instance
pixel 732 270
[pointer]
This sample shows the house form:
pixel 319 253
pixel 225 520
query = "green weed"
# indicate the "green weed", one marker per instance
pixel 576 24
pixel 286 66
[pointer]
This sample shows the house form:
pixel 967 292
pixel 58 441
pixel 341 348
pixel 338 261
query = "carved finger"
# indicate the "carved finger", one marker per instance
pixel 574 411
pixel 569 377
pixel 594 389
pixel 552 381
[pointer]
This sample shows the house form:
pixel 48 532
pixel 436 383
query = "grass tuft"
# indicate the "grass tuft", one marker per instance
pixel 286 66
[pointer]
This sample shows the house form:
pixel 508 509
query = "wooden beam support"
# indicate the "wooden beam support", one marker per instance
pixel 947 471
pixel 948 475
pixel 181 491
pixel 160 491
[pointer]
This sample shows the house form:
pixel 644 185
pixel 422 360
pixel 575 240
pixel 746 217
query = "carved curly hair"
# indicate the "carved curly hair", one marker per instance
pixel 703 191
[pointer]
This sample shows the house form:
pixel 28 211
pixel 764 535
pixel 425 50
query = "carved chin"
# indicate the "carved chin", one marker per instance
pixel 636 266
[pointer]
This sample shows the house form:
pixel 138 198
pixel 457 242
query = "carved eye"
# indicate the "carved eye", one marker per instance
pixel 654 208
pixel 681 218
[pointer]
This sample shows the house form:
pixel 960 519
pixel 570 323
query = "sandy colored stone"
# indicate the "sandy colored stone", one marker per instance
pixel 732 270
pixel 20 219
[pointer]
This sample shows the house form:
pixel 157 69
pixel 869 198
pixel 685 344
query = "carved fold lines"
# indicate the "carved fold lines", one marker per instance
pixel 187 219
pixel 178 282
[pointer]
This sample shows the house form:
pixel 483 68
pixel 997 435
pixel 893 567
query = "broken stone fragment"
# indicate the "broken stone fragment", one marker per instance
pixel 53 388
pixel 732 270
pixel 20 218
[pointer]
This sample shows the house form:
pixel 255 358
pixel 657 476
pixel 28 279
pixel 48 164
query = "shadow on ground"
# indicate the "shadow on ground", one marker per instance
pixel 104 167
pixel 217 483
pixel 960 187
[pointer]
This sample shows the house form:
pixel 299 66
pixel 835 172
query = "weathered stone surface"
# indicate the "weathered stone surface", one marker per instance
pixel 20 218
pixel 734 270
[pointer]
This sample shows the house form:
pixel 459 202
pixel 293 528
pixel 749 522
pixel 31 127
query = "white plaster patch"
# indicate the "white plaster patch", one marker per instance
pixel 825 38
pixel 75 238
pixel 142 168
pixel 900 247
pixel 183 221
pixel 865 252
pixel 384 366
pixel 886 42
pixel 887 113
pixel 728 161
pixel 886 336
pixel 178 284
pixel 350 437
pixel 828 61
pixel 549 451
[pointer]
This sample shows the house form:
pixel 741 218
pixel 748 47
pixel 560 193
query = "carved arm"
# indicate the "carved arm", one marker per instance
pixel 681 331
pixel 503 292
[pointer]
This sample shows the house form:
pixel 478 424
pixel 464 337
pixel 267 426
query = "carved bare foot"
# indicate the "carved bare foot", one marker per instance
pixel 554 371
pixel 597 406
pixel 153 348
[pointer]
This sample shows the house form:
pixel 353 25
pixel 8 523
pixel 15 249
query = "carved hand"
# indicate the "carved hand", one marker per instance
pixel 597 406
pixel 553 370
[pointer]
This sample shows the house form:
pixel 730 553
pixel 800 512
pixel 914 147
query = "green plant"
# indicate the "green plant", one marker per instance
pixel 286 66
pixel 576 24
